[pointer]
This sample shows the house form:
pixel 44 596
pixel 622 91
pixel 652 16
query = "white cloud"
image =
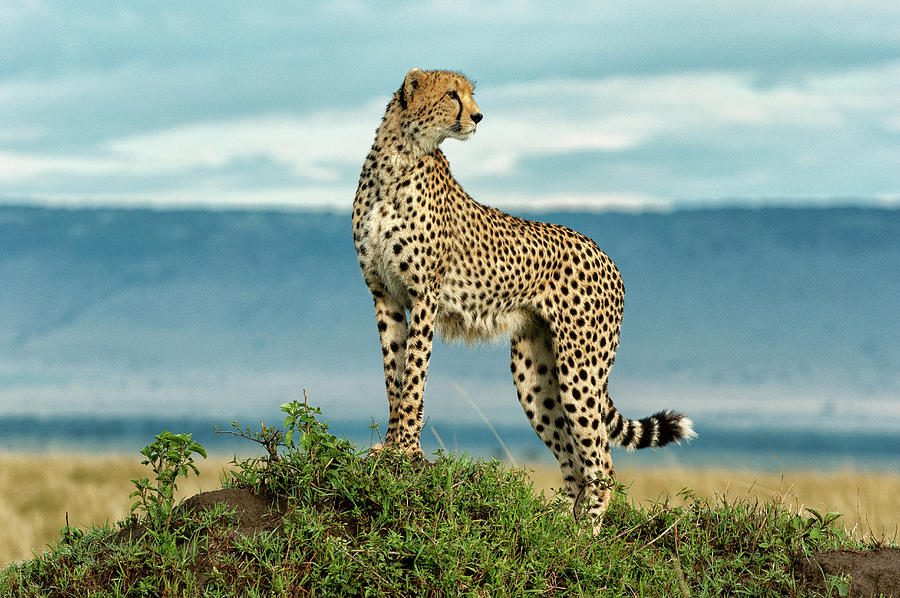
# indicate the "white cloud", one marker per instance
pixel 732 113
pixel 23 166
pixel 621 112
pixel 802 123
pixel 328 197
pixel 590 202
pixel 309 143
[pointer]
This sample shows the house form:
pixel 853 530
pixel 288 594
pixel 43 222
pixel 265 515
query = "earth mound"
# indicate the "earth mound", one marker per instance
pixel 873 573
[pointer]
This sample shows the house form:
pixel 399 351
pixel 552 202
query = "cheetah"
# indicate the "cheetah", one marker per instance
pixel 472 272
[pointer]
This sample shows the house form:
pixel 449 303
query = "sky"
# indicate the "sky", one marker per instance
pixel 640 105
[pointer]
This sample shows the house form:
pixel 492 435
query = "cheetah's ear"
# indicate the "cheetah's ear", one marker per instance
pixel 413 79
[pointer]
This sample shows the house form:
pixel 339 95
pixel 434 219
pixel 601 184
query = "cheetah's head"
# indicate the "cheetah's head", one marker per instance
pixel 436 105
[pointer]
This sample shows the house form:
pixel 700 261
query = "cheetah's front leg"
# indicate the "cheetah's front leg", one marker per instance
pixel 406 350
pixel 419 340
pixel 391 319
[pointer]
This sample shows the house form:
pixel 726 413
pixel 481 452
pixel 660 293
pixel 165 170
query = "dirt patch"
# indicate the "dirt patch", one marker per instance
pixel 873 572
pixel 254 513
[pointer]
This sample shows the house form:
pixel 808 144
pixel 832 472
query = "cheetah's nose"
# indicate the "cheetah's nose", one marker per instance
pixel 476 118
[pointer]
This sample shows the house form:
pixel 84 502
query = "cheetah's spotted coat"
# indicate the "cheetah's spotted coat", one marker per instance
pixel 473 272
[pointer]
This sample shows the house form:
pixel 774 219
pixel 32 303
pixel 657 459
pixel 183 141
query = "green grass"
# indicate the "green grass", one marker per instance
pixel 355 525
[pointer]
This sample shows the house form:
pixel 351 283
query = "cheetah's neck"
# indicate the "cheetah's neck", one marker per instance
pixel 394 139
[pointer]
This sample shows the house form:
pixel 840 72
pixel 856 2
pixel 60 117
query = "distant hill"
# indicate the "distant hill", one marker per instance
pixel 122 311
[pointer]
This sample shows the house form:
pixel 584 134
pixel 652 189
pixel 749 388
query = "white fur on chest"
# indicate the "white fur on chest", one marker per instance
pixel 379 239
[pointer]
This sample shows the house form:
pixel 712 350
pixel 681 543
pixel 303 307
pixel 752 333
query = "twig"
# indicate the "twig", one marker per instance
pixel 271 443
pixel 665 531
pixel 373 551
pixel 438 437
pixel 635 527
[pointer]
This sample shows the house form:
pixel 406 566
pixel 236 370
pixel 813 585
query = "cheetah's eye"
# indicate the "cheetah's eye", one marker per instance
pixel 453 95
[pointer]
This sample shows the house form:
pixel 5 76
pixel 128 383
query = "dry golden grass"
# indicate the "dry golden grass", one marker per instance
pixel 869 502
pixel 36 492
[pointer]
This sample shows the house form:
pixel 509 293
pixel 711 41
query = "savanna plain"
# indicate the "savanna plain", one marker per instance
pixel 38 492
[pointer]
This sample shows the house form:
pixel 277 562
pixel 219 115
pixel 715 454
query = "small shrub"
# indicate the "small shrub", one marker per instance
pixel 170 456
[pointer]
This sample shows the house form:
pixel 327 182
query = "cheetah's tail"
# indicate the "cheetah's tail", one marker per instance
pixel 657 430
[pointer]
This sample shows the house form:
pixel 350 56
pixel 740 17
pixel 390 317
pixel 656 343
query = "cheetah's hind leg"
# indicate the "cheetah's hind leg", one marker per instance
pixel 533 366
